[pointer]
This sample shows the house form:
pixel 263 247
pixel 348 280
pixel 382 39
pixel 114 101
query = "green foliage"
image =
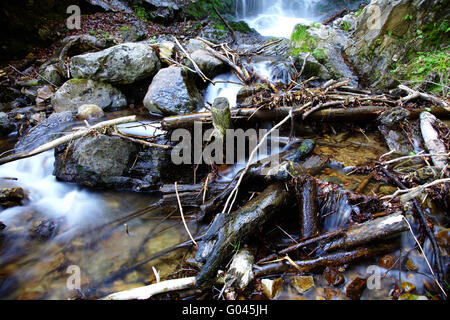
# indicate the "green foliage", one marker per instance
pixel 240 26
pixel 320 55
pixel 417 70
pixel 301 40
pixel 434 34
pixel 141 13
pixel 203 9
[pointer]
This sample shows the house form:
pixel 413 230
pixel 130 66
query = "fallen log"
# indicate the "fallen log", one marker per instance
pixel 228 229
pixel 356 235
pixel 431 139
pixel 332 259
pixel 369 231
pixel 67 138
pixel 221 116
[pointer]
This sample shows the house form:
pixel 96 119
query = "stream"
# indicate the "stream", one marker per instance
pixel 62 225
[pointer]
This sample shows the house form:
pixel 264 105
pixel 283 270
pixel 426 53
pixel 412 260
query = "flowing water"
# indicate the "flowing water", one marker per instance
pixel 276 18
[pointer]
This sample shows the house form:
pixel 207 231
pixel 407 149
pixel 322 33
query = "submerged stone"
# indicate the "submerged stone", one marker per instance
pixel 271 288
pixel 302 283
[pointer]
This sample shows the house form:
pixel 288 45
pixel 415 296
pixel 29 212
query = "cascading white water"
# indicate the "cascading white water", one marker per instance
pixel 275 18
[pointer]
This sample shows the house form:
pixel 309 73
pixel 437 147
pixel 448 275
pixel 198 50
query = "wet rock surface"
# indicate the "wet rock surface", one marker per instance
pixel 210 65
pixel 51 128
pixel 173 91
pixel 122 64
pixel 11 197
pixel 102 161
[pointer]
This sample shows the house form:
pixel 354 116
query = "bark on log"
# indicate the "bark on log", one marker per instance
pixel 425 96
pixel 228 229
pixel 332 114
pixel 431 139
pixel 369 231
pixel 332 259
pixel 356 235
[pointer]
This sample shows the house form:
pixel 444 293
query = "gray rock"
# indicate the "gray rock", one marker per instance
pixel 88 111
pixel 95 160
pixel 210 65
pixel 76 92
pixel 312 67
pixel 122 64
pixel 173 91
pixel 102 161
pixel 133 33
pixel 53 74
pixel 194 45
pixel 112 5
pixel 51 128
pixel 164 3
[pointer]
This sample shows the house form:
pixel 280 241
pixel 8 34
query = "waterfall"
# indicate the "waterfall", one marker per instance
pixel 289 8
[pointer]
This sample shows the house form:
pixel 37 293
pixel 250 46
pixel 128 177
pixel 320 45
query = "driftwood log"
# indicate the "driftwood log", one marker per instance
pixel 356 235
pixel 332 114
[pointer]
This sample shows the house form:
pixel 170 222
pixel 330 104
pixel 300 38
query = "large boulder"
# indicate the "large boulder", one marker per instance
pixel 122 64
pixel 173 91
pixel 101 161
pixel 77 92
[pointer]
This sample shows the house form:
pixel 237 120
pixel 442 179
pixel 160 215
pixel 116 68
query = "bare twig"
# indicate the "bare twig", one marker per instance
pixel 200 73
pixel 57 142
pixel 234 192
pixel 425 257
